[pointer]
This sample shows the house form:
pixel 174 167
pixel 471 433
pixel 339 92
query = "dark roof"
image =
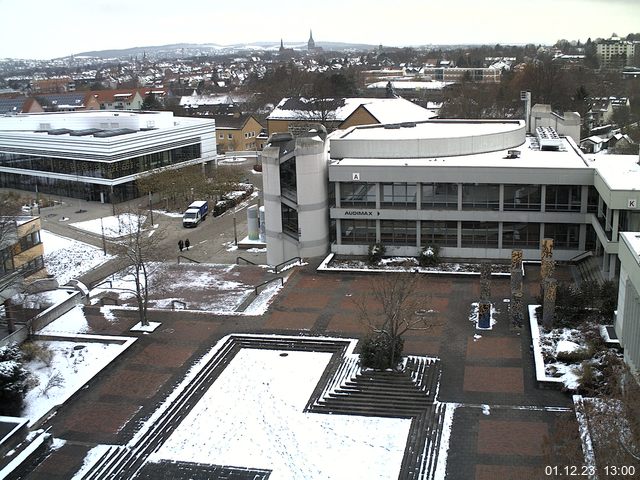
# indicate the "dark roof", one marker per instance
pixel 76 99
pixel 12 105
pixel 229 121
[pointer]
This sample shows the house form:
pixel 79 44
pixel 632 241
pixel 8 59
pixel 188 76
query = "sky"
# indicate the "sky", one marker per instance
pixel 44 29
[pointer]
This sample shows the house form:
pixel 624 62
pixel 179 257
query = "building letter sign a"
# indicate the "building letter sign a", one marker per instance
pixel 356 177
pixel 632 203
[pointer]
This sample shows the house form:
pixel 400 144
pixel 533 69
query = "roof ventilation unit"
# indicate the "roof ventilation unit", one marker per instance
pixel 548 138
pixel 513 154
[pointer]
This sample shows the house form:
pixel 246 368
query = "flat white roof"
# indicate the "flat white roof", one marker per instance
pixel 431 130
pixel 530 157
pixel 620 172
pixel 633 239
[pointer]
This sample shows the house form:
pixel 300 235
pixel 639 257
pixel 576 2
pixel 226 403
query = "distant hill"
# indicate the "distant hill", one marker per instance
pixel 191 49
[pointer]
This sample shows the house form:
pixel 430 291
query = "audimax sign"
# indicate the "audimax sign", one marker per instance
pixel 360 213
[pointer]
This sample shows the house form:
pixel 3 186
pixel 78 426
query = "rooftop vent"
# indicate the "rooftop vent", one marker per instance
pixel 513 154
pixel 392 126
pixel 59 131
pixel 408 124
pixel 548 138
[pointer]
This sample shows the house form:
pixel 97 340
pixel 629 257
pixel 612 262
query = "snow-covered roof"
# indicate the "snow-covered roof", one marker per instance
pixel 620 172
pixel 385 110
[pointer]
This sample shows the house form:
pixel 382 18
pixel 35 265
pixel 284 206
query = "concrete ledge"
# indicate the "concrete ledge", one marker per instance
pixel 541 376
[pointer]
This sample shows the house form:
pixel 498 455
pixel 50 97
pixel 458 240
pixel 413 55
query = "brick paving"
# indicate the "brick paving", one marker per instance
pixel 495 369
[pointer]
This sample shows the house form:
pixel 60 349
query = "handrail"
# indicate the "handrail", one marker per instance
pixel 255 289
pixel 275 269
pixel 187 258
pixel 242 258
pixel 581 256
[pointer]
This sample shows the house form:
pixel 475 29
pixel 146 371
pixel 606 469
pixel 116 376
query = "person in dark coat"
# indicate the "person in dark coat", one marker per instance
pixel 180 245
pixel 187 244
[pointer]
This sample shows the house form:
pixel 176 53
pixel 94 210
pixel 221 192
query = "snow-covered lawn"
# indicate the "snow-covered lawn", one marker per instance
pixel 72 364
pixel 199 286
pixel 253 416
pixel 66 258
pixel 114 226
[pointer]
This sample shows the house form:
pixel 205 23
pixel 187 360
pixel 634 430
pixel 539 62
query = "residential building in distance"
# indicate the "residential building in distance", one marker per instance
pixel 19 104
pixel 98 155
pixel 615 52
pixel 67 102
pixel 53 85
pixel 298 114
pixel 237 133
pixel 120 99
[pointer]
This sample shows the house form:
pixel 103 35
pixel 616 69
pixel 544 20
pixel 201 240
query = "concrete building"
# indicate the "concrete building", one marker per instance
pixel 615 52
pixel 98 155
pixel 475 188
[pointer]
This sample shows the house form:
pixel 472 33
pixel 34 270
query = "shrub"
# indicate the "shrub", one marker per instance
pixel 33 351
pixel 379 351
pixel 13 381
pixel 429 256
pixel 376 252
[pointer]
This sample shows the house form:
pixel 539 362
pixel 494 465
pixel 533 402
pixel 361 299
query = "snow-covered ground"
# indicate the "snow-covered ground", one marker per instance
pixel 114 226
pixel 72 365
pixel 253 416
pixel 66 258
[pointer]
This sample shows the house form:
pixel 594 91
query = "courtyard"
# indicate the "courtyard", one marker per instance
pixel 259 424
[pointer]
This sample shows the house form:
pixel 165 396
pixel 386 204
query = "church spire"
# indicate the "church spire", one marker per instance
pixel 311 45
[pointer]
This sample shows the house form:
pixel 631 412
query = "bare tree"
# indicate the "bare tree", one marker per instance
pixel 391 308
pixel 139 248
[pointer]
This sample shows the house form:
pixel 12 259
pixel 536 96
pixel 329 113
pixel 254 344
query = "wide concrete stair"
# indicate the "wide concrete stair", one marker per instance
pixel 587 270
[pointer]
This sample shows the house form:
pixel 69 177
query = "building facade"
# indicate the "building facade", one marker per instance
pixel 98 155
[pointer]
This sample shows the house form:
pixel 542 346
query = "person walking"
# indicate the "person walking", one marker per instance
pixel 180 245
pixel 187 244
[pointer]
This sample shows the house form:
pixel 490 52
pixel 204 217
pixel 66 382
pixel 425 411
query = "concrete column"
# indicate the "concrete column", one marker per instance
pixel 501 198
pixel 582 238
pixel 378 195
pixel 615 225
pixel 612 266
pixel 419 233
pixel 459 200
pixel 584 199
pixel 337 194
pixel 418 198
pixel 499 235
pixel 543 198
pixel 459 240
pixel 338 231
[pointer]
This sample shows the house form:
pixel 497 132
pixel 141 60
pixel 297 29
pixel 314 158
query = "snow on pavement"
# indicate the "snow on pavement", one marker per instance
pixel 253 416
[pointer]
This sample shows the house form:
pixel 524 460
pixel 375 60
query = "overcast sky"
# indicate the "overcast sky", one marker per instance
pixel 49 29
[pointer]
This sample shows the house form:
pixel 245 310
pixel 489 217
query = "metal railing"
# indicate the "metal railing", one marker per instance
pixel 286 262
pixel 187 258
pixel 245 260
pixel 255 289
pixel 581 256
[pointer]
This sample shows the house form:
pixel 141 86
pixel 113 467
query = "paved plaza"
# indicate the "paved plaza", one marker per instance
pixel 501 417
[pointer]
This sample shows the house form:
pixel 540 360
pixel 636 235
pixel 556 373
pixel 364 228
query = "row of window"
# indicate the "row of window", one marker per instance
pixel 108 170
pixel 230 135
pixel 565 198
pixel 472 234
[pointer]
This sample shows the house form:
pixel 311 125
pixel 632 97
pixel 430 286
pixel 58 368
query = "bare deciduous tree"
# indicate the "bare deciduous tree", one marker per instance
pixel 392 307
pixel 139 248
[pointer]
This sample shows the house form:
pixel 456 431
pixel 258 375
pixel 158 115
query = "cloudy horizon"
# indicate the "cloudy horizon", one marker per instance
pixel 44 30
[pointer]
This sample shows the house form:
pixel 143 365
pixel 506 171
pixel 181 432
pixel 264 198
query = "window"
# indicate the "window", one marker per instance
pixel 442 234
pixel 480 196
pixel 398 232
pixel 230 136
pixel 522 197
pixel 439 196
pixel 592 200
pixel 288 180
pixel 246 135
pixel 565 235
pixel 399 195
pixel 480 234
pixel 359 232
pixel 289 221
pixel 362 195
pixel 563 198
pixel 29 241
pixel 221 136
pixel 520 235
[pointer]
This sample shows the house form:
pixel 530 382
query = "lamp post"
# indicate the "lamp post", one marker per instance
pixel 150 209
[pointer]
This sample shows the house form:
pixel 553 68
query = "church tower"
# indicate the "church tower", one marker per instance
pixel 311 45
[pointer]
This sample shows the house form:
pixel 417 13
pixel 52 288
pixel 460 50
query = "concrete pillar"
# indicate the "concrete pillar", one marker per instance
pixel 543 198
pixel 615 221
pixel 253 225
pixel 515 304
pixel 262 227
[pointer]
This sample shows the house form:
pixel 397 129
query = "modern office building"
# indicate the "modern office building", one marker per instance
pixel 98 155
pixel 476 188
